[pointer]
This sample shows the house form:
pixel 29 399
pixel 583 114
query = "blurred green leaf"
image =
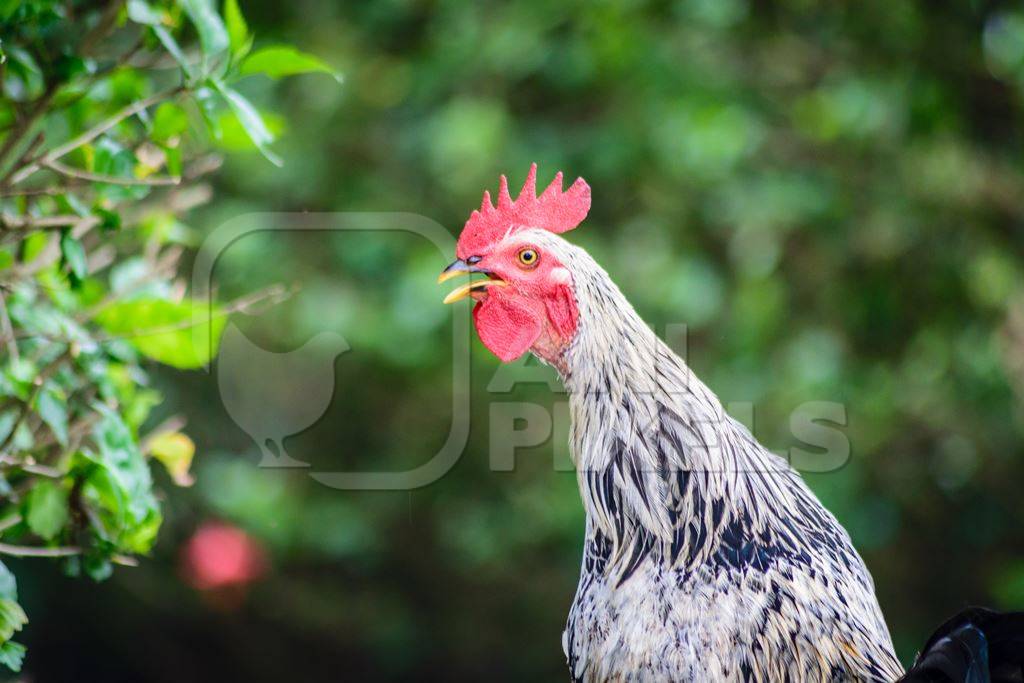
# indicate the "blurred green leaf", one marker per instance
pixel 46 509
pixel 118 485
pixel 8 584
pixel 169 121
pixel 238 33
pixel 12 619
pixel 73 254
pixel 19 376
pixel 142 12
pixel 212 35
pixel 283 60
pixel 51 404
pixel 12 655
pixel 234 137
pixel 172 47
pixel 181 334
pixel 250 120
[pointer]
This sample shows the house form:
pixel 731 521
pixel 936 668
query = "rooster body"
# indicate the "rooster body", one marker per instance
pixel 706 556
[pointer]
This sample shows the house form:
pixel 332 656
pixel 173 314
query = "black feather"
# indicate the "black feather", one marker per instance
pixel 975 646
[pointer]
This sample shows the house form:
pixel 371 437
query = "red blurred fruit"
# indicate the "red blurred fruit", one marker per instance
pixel 221 555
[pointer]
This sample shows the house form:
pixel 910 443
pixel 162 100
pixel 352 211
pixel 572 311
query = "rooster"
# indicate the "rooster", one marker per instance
pixel 706 556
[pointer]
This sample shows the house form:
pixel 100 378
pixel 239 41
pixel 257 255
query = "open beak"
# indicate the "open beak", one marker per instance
pixel 460 267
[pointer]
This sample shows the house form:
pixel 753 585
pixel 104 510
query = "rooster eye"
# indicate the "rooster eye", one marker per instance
pixel 528 257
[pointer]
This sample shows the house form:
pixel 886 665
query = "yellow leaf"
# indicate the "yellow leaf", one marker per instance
pixel 175 451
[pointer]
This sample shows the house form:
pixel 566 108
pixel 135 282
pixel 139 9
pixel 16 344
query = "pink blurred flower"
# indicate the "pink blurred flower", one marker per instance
pixel 220 555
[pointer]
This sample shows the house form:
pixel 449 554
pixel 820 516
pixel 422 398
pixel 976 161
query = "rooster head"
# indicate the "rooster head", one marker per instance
pixel 526 299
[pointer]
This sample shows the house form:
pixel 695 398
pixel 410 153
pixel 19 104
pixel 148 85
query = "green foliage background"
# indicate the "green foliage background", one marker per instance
pixel 830 196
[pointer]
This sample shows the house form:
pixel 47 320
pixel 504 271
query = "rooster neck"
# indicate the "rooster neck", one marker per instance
pixel 624 382
pixel 649 440
pixel 662 470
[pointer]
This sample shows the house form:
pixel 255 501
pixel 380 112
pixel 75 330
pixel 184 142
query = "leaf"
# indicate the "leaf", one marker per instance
pixel 233 137
pixel 169 121
pixel 114 160
pixel 284 60
pixel 175 451
pixel 33 246
pixel 238 32
pixel 19 376
pixel 213 37
pixel 207 99
pixel 110 221
pixel 73 255
pixel 46 509
pixel 173 155
pixel 8 584
pixel 69 67
pixel 118 486
pixel 12 618
pixel 250 119
pixel 51 404
pixel 171 45
pixel 182 334
pixel 141 12
pixel 97 567
pixel 12 655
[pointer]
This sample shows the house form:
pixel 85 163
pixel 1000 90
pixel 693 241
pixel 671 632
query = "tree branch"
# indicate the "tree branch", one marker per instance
pixel 71 172
pixel 8 328
pixel 93 133
pixel 33 551
pixel 26 124
pixel 9 222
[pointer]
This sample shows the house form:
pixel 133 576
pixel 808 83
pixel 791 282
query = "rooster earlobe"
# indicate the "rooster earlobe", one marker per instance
pixel 507 329
pixel 562 311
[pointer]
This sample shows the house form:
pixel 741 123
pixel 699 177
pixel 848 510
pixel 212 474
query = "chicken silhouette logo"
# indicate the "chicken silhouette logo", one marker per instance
pixel 272 396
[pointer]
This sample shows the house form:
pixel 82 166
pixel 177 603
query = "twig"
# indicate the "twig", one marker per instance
pixel 93 133
pixel 26 124
pixel 76 431
pixel 28 152
pixel 8 328
pixel 107 21
pixel 60 551
pixel 36 191
pixel 6 524
pixel 70 172
pixel 32 551
pixel 203 165
pixel 9 222
pixel 272 295
pixel 164 267
pixel 31 467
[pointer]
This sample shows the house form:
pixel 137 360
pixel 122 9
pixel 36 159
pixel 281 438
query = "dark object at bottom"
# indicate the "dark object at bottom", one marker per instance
pixel 976 646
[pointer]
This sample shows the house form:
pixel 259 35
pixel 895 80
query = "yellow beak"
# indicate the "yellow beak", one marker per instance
pixel 465 290
pixel 460 267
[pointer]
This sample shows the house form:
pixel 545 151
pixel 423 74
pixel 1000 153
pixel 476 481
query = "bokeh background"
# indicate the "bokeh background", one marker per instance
pixel 829 195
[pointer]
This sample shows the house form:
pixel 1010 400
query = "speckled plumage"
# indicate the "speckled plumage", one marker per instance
pixel 706 556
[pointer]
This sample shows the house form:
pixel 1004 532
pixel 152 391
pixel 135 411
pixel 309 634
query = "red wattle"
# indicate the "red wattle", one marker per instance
pixel 508 329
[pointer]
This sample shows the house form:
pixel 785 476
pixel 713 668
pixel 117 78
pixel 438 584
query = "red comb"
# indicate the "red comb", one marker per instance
pixel 553 210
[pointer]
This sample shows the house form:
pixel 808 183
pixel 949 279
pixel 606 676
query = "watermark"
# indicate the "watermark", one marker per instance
pixel 271 416
pixel 661 419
